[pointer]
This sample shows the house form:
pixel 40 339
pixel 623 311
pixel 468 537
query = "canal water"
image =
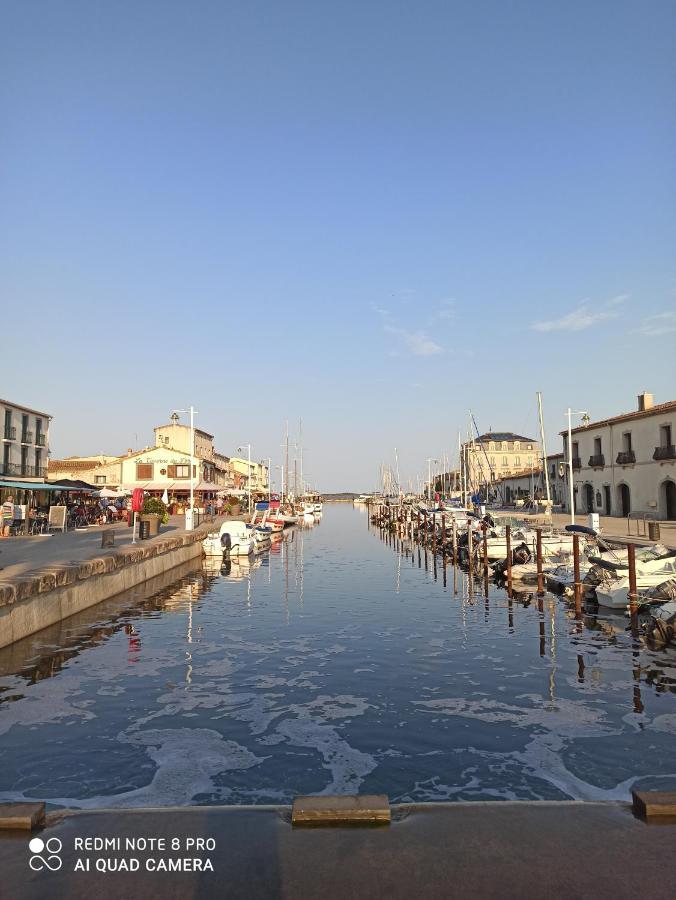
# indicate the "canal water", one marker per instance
pixel 339 662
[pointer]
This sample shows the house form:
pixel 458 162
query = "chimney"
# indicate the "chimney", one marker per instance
pixel 645 401
pixel 129 451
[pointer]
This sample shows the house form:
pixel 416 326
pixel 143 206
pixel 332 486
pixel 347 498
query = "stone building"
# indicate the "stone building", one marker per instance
pixel 25 443
pixel 495 454
pixel 626 464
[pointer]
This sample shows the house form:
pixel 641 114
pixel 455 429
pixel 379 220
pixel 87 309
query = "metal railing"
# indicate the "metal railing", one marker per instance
pixel 665 452
pixel 10 469
pixel 24 471
pixel 597 461
pixel 10 433
pixel 40 440
pixel 641 519
pixel 626 457
pixel 26 437
pixel 577 462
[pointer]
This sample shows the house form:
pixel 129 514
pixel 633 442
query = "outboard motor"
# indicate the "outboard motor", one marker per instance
pixel 520 556
pixel 489 520
pixel 226 543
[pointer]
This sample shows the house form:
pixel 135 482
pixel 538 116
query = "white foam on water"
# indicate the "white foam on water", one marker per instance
pixel 51 700
pixel 187 759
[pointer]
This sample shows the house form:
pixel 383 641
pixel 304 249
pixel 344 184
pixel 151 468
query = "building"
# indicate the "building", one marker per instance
pixel 625 464
pixel 519 486
pixel 243 471
pixel 495 454
pixel 25 443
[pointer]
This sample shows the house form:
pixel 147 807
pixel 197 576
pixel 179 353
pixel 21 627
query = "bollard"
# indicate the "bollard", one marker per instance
pixel 538 556
pixel 484 528
pixel 633 595
pixel 508 539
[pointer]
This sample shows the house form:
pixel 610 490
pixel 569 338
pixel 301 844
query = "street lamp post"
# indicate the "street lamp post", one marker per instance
pixel 571 489
pixel 248 471
pixel 188 518
pixel 430 460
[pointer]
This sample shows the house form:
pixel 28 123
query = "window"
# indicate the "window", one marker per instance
pixel 529 447
pixel 144 471
pixel 504 460
pixel 517 446
pixel 100 479
pixel 38 463
pixel 665 435
pixel 166 440
pixel 626 442
pixel 597 447
pixel 576 449
pixel 24 428
pixel 504 445
pixel 491 445
pixel 517 460
pixel 492 460
pixel 178 471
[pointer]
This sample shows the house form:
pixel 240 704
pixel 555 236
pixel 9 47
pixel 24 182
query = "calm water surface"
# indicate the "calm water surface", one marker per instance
pixel 336 664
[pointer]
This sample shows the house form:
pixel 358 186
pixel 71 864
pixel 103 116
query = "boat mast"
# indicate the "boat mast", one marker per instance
pixel 287 456
pixel 544 453
pixel 302 483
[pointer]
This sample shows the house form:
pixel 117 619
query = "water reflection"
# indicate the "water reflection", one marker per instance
pixel 331 664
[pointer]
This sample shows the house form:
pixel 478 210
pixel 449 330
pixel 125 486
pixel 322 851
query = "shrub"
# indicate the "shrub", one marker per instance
pixel 155 505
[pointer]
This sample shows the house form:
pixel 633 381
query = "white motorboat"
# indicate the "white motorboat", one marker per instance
pixel 614 593
pixel 233 537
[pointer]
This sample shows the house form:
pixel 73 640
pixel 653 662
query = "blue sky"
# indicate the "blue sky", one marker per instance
pixel 371 215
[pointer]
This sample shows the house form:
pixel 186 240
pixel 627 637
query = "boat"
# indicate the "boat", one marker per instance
pixel 614 593
pixel 233 538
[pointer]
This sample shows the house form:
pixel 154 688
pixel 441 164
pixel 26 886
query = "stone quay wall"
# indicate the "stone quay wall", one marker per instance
pixel 60 590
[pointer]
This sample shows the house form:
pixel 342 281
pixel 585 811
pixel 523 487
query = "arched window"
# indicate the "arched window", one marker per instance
pixel 504 445
pixel 517 446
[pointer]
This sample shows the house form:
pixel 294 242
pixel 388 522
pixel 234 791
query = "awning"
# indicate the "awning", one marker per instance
pixel 31 486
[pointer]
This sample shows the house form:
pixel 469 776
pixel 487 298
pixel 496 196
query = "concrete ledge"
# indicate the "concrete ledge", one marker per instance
pixel 57 591
pixel 654 803
pixel 355 809
pixel 23 816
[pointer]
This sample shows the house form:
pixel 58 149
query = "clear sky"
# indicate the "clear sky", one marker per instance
pixel 374 215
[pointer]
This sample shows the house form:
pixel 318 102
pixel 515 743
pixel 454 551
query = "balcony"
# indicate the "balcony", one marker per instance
pixel 666 452
pixel 626 458
pixel 26 437
pixel 597 461
pixel 10 434
pixel 40 440
pixel 10 469
pixel 577 463
pixel 17 470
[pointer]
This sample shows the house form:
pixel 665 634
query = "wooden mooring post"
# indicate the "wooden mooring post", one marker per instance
pixel 576 574
pixel 484 536
pixel 455 542
pixel 538 556
pixel 633 593
pixel 508 540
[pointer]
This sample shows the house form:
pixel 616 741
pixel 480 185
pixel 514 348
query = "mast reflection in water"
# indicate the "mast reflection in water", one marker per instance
pixel 337 662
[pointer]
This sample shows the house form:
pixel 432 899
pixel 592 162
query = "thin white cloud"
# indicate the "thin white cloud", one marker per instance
pixel 657 325
pixel 416 342
pixel 446 309
pixel 579 319
pixel 617 301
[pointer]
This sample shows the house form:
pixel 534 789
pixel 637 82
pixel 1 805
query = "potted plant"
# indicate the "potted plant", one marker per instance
pixel 234 505
pixel 154 512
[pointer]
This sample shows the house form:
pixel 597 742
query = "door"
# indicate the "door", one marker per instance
pixel 589 498
pixel 669 495
pixel 606 499
pixel 625 499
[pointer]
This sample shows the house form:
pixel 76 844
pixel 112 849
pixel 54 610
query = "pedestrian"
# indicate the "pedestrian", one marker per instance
pixel 7 516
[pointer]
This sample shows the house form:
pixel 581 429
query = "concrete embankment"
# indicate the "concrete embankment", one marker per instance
pixel 478 850
pixel 57 591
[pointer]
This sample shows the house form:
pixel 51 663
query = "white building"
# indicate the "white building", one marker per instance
pixel 25 443
pixel 626 464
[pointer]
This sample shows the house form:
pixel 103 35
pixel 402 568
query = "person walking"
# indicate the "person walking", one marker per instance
pixel 7 516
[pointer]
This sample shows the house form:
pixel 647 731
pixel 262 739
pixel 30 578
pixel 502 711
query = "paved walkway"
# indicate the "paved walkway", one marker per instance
pixel 479 850
pixel 22 555
pixel 611 526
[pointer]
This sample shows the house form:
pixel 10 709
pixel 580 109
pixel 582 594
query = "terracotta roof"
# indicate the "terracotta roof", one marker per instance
pixel 656 410
pixel 71 464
